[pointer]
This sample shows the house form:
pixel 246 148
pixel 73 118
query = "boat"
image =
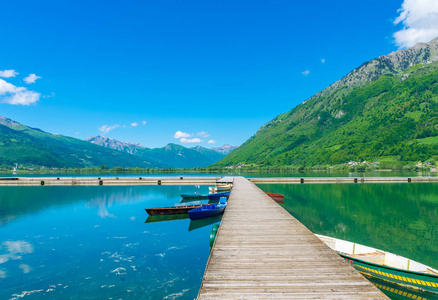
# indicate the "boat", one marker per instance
pixel 220 188
pixel 217 196
pixel 385 265
pixel 194 196
pixel 181 209
pixel 209 210
pixel 279 198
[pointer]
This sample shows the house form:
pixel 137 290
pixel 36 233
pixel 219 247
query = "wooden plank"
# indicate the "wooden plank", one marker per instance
pixel 263 252
pixel 225 180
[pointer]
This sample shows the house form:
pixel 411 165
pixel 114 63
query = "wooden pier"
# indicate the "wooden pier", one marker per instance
pixel 263 252
pixel 298 180
pixel 107 181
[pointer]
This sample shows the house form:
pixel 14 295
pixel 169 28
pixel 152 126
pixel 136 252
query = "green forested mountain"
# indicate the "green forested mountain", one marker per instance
pixel 34 147
pixel 178 156
pixel 385 110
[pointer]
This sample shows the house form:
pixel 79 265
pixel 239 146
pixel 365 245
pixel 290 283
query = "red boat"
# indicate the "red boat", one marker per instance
pixel 279 198
pixel 182 209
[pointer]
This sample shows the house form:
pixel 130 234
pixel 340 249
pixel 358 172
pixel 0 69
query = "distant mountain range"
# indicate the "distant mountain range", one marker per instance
pixel 225 149
pixel 384 110
pixel 173 155
pixel 33 147
pixel 29 146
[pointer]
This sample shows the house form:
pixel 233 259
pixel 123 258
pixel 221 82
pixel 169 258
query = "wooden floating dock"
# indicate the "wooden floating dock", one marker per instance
pixel 263 252
pixel 192 180
pixel 107 181
pixel 297 180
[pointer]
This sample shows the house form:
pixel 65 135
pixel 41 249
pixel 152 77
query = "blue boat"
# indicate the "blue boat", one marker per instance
pixel 207 211
pixel 217 196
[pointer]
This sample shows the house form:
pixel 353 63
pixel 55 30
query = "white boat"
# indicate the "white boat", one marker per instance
pixel 385 265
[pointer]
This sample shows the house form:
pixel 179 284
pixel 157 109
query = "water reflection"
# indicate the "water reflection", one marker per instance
pixel 14 251
pixel 196 224
pixel 55 241
pixel 161 218
pixel 398 218
pixel 397 292
pixel 17 202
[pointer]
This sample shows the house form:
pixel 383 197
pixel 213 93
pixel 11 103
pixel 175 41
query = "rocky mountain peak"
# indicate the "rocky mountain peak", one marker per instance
pixel 395 63
pixel 8 122
pixel 225 149
pixel 114 144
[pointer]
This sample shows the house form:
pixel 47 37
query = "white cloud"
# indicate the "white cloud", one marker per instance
pixel 180 134
pixel 203 134
pixel 134 124
pixel 49 96
pixel 16 95
pixel 143 122
pixel 31 78
pixel 106 128
pixel 211 142
pixel 323 60
pixel 8 73
pixel 420 22
pixel 185 141
pixel 305 73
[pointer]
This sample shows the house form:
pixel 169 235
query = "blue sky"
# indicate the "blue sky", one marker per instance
pixel 209 70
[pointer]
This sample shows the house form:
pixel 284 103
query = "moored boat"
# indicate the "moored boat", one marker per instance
pixel 182 209
pixel 279 198
pixel 217 196
pixel 385 265
pixel 210 210
pixel 220 188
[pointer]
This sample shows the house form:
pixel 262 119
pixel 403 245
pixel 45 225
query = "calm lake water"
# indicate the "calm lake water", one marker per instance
pixel 400 218
pixel 93 242
pixel 98 242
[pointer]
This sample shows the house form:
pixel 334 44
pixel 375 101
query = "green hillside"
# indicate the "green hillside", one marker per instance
pixel 178 156
pixel 33 147
pixel 387 109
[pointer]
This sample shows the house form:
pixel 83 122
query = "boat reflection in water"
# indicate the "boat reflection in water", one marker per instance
pixel 196 224
pixel 397 292
pixel 162 218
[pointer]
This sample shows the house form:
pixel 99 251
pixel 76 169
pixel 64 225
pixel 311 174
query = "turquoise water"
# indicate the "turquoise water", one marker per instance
pixel 99 243
pixel 400 218
pixel 93 242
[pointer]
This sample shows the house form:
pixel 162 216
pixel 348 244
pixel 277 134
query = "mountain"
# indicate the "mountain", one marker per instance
pixel 33 147
pixel 127 147
pixel 225 149
pixel 172 155
pixel 178 156
pixel 384 110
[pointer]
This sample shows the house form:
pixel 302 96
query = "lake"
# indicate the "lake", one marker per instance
pixel 93 242
pixel 397 217
pixel 98 242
